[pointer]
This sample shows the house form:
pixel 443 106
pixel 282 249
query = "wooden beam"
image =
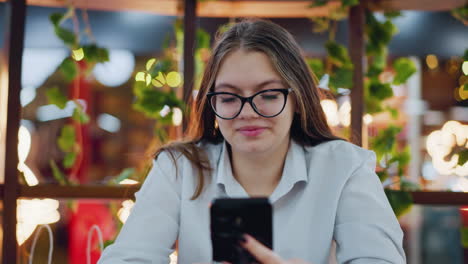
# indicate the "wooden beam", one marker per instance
pixel 440 198
pixel 190 28
pixel 357 55
pixel 422 5
pixel 270 9
pixel 218 8
pixel 127 192
pixel 257 8
pixel 10 87
pixel 79 192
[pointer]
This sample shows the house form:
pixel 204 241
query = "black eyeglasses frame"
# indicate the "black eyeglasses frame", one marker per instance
pixel 284 91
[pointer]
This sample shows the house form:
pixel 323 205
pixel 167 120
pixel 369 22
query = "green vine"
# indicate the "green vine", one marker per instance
pixel 338 66
pixel 80 62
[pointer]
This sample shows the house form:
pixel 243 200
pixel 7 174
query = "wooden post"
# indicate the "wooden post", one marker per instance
pixel 10 108
pixel 189 52
pixel 356 47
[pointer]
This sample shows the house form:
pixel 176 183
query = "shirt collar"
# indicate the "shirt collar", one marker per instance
pixel 294 171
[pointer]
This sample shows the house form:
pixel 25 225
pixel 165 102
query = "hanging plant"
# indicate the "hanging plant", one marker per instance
pixel 82 59
pixel 339 68
pixel 461 14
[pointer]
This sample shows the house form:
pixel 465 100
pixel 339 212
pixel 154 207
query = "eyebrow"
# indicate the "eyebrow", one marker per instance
pixel 258 86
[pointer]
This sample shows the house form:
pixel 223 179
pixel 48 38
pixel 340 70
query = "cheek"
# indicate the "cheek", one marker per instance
pixel 224 125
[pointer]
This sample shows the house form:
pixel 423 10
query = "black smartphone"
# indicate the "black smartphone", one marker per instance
pixel 233 217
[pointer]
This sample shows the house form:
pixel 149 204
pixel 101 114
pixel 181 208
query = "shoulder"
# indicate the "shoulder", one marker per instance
pixel 341 153
pixel 179 154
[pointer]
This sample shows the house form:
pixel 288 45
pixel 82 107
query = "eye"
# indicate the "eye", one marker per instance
pixel 225 99
pixel 269 96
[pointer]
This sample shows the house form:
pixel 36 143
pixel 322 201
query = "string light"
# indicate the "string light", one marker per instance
pixel 440 143
pixel 432 61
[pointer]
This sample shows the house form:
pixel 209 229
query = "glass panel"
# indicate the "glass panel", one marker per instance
pixel 70 232
pixel 433 234
pixel 117 137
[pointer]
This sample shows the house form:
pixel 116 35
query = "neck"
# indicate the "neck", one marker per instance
pixel 259 174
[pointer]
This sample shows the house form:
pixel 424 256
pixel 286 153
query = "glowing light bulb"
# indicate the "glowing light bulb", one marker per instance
pixel 24 146
pixel 32 213
pixel 368 119
pixel 345 114
pixel 128 182
pixel 124 212
pixel 331 111
pixel 176 116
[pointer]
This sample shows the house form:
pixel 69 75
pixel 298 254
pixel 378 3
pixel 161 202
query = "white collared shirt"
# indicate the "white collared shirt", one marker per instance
pixel 327 193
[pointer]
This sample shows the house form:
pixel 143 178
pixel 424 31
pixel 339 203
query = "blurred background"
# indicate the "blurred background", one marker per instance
pixel 95 106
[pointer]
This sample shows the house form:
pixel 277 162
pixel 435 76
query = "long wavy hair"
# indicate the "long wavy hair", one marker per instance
pixel 309 126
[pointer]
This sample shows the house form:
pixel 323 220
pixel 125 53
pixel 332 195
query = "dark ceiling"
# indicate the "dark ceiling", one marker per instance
pixel 421 33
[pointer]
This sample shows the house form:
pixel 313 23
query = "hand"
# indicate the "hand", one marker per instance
pixel 265 255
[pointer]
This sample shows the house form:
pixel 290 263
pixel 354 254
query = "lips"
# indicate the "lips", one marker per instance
pixel 251 131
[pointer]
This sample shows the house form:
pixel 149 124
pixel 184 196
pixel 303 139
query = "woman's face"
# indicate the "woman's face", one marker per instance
pixel 246 73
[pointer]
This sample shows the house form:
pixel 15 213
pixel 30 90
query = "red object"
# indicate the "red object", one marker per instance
pixel 81 89
pixel 86 215
pixel 464 221
pixel 464 215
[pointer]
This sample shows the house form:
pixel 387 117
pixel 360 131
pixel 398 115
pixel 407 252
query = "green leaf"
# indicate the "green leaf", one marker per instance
pixel 379 62
pixel 378 34
pixel 69 159
pixel 383 175
pixel 66 36
pixel 392 14
pixel 346 3
pixel 55 96
pixel 385 140
pixel 316 66
pixel 338 54
pixel 151 102
pixel 79 115
pixel 320 24
pixel 109 242
pixel 400 201
pixel 69 69
pixel 380 90
pixel 407 185
pixel 465 56
pixel 56 18
pixel 139 87
pixel 66 140
pixel 373 105
pixel 462 157
pixel 341 78
pixel 125 174
pixel 203 39
pixel 93 53
pixel 464 236
pixel 404 68
pixel 461 14
pixel 393 112
pixel 317 3
pixel 58 174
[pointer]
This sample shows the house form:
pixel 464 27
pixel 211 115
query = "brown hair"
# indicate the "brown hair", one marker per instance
pixel 309 126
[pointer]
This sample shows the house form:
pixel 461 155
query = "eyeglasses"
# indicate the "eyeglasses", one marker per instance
pixel 266 103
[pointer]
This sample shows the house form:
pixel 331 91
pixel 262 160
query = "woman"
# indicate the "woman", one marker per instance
pixel 258 130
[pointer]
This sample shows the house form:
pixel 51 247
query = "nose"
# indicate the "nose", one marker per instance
pixel 248 112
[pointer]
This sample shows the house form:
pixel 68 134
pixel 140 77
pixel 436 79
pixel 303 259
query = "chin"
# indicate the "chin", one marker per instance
pixel 254 146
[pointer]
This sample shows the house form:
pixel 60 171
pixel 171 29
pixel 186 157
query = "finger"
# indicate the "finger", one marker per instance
pixel 260 252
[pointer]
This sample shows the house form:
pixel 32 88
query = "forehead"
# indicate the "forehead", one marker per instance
pixel 246 69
